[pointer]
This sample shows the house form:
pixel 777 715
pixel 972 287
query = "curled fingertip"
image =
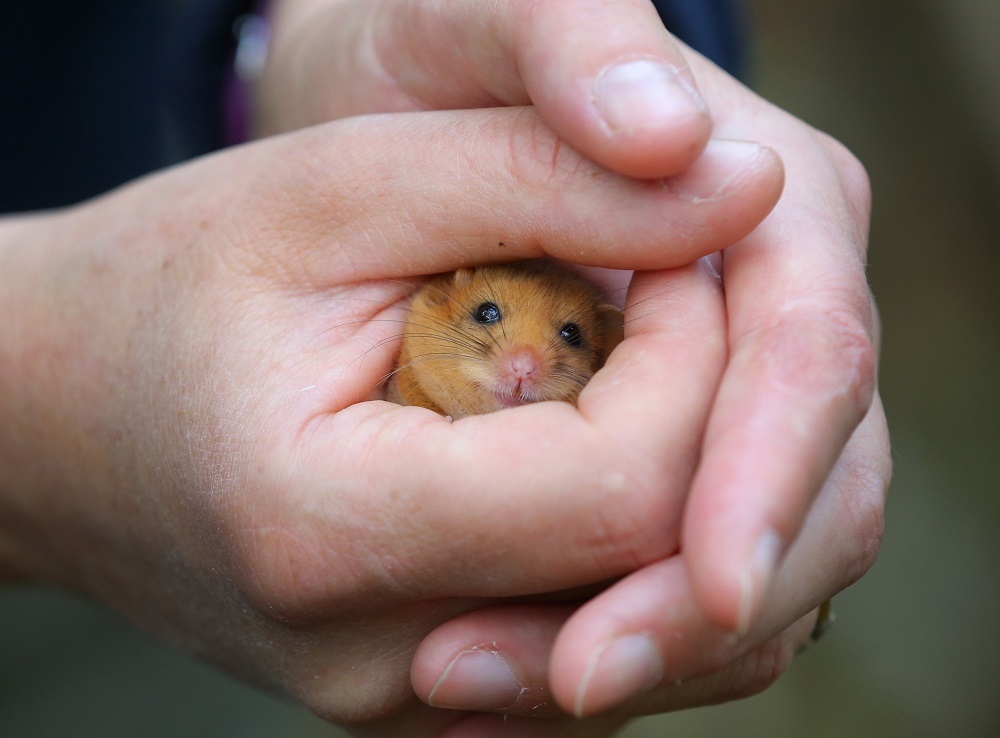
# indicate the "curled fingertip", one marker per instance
pixel 476 679
pixel 645 93
pixel 721 167
pixel 625 666
pixel 755 580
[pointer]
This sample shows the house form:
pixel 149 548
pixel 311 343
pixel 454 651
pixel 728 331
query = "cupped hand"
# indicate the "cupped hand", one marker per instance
pixel 801 323
pixel 786 506
pixel 610 81
pixel 191 369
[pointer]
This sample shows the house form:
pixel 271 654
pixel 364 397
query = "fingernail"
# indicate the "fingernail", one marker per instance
pixel 626 666
pixel 476 680
pixel 720 166
pixel 757 577
pixel 644 93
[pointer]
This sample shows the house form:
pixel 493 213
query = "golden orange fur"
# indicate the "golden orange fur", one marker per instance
pixel 478 340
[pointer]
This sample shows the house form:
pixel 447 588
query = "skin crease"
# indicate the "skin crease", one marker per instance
pixel 457 366
pixel 194 475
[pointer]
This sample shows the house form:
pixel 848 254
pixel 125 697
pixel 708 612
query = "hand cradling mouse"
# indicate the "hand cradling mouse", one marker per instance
pixel 491 337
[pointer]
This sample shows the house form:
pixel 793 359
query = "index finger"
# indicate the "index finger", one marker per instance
pixel 801 376
pixel 397 196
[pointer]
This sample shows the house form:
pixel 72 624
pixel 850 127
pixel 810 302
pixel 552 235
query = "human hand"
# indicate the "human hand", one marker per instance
pixel 786 506
pixel 184 364
pixel 802 326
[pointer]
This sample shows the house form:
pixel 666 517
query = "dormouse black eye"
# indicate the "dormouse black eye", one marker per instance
pixel 571 334
pixel 487 313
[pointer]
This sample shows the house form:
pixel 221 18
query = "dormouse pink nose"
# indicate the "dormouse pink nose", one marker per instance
pixel 523 364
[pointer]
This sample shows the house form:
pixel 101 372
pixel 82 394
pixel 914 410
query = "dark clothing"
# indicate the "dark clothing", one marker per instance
pixel 96 93
pixel 716 28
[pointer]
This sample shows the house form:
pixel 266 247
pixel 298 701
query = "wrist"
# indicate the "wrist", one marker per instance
pixel 20 348
pixel 47 459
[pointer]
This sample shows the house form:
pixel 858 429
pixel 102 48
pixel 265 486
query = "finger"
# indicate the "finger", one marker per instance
pixel 648 631
pixel 675 323
pixel 496 660
pixel 402 195
pixel 801 374
pixel 625 99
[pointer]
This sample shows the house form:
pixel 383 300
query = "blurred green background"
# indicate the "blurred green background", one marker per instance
pixel 913 87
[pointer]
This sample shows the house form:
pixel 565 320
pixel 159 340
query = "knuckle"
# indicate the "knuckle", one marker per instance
pixel 853 350
pixel 539 161
pixel 826 350
pixel 869 516
pixel 862 485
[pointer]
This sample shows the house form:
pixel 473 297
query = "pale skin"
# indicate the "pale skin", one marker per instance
pixel 184 363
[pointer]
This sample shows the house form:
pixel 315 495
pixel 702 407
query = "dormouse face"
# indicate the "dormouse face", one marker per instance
pixel 502 336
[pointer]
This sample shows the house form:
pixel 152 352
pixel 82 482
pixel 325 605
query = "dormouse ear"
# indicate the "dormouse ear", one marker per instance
pixel 611 328
pixel 439 290
pixel 463 278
